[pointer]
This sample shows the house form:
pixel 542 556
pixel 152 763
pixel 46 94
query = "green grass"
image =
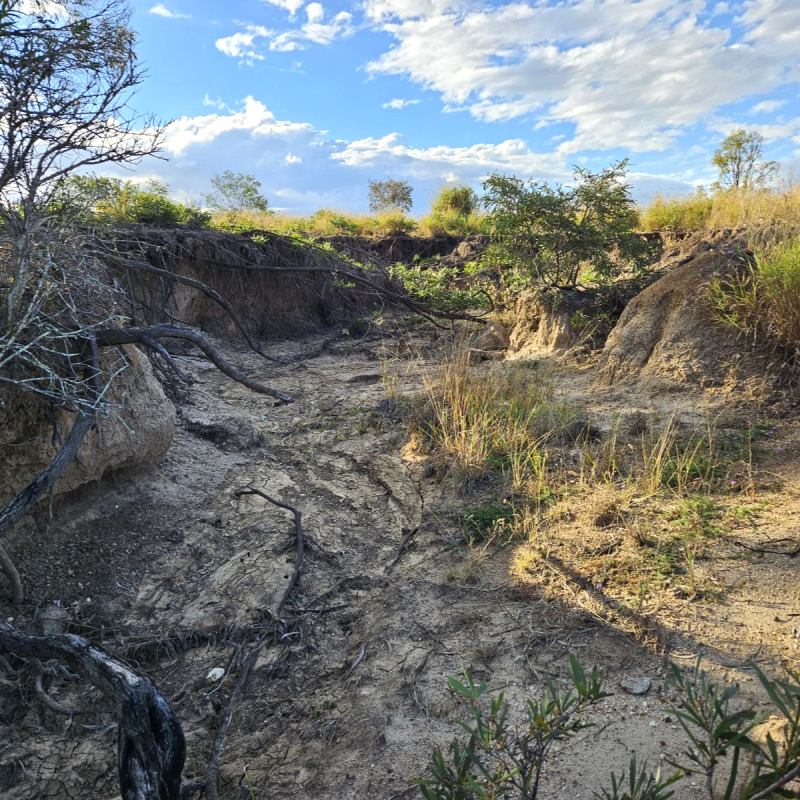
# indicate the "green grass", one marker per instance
pixel 765 296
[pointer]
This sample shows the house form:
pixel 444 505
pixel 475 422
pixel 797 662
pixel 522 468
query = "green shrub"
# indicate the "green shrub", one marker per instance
pixel 459 200
pixel 498 759
pixel 112 200
pixel 454 223
pixel 550 234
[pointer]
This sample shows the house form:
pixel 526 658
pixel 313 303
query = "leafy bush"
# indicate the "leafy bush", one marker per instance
pixel 460 200
pixel 550 234
pixel 454 223
pixel 434 285
pixel 112 200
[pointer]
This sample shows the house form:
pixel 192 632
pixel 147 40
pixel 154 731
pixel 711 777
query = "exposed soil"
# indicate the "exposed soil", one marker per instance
pixel 172 570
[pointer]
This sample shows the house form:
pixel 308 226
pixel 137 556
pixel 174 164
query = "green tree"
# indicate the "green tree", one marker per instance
pixel 235 193
pixel 549 233
pixel 390 195
pixel 459 200
pixel 740 164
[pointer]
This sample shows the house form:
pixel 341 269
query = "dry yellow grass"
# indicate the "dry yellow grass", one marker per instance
pixel 730 209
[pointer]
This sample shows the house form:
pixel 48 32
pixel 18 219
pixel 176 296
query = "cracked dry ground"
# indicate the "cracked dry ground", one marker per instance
pixel 172 570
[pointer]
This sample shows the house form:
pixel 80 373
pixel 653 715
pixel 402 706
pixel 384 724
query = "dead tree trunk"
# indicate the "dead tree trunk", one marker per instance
pixel 151 746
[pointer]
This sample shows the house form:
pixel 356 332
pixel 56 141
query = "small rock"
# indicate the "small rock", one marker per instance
pixel 636 685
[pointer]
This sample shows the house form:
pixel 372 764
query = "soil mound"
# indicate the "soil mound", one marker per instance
pixel 137 431
pixel 666 337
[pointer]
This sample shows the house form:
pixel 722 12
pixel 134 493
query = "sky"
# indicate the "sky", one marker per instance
pixel 316 99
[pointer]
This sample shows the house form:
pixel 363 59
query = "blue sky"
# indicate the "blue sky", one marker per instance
pixel 315 99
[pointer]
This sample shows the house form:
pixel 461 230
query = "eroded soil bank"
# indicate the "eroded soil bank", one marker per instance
pixel 174 572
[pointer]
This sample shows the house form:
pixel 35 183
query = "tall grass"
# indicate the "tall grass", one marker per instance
pixel 478 424
pixel 764 298
pixel 665 461
pixel 727 209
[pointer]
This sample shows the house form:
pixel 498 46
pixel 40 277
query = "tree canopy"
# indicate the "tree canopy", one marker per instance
pixel 740 164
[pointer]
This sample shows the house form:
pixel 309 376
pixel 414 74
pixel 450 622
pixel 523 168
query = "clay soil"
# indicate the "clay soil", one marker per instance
pixel 173 571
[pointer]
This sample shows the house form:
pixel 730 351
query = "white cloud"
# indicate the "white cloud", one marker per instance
pixel 477 161
pixel 214 102
pixel 629 74
pixel 399 104
pixel 331 173
pixel 315 12
pixel 244 44
pixel 770 132
pixel 317 32
pixel 254 119
pixel 767 106
pixel 161 10
pixel 240 45
pixel 292 6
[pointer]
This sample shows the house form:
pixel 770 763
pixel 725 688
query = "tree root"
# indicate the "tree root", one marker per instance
pixel 10 571
pixel 151 746
pixel 113 337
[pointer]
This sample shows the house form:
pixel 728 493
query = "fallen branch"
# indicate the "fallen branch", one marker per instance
pixel 793 553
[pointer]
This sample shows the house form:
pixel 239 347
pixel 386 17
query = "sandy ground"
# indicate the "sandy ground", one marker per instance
pixel 174 571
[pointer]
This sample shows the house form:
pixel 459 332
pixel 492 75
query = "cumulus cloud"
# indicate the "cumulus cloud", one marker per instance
pixel 477 161
pixel 292 6
pixel 241 44
pixel 399 104
pixel 629 74
pixel 315 12
pixel 301 168
pixel 160 10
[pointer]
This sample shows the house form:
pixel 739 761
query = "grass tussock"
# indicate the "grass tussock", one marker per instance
pixel 477 426
pixel 734 208
pixel 631 512
pixel 764 298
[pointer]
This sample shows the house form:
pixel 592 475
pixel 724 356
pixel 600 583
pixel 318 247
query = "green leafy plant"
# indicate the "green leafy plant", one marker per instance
pixel 551 233
pixel 765 295
pixel 439 288
pixel 234 193
pixel 498 759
